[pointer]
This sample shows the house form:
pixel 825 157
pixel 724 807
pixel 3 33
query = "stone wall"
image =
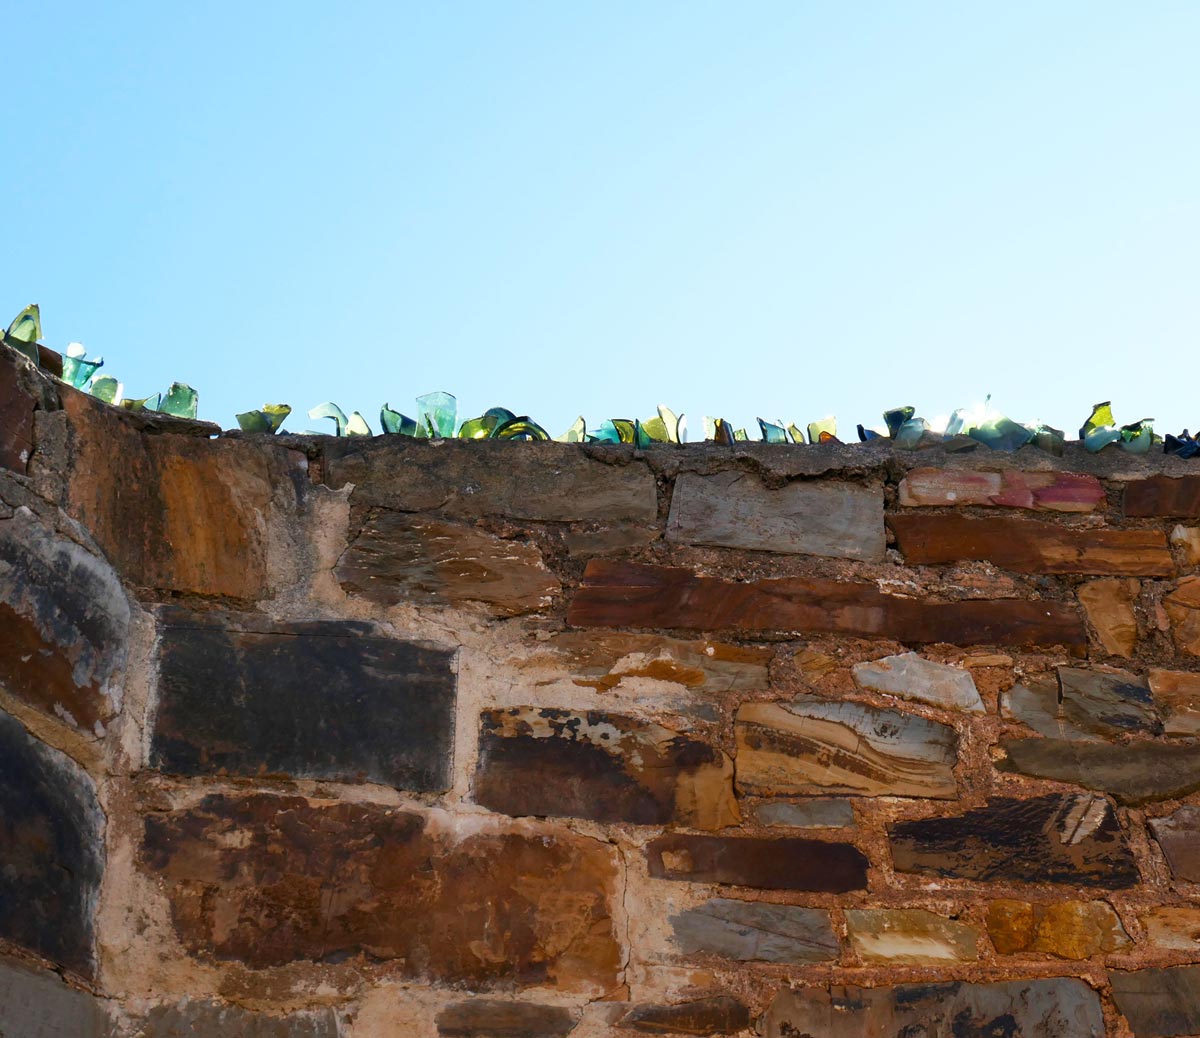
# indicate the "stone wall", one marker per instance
pixel 373 737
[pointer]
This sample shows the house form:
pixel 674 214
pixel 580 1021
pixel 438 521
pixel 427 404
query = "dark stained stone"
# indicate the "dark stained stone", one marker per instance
pixel 1107 703
pixel 1159 1003
pixel 202 1018
pixel 1029 546
pixel 1134 772
pixel 625 594
pixel 268 880
pixel 1178 835
pixel 603 766
pixel 396 557
pixel 785 863
pixel 64 624
pixel 1048 839
pixel 1037 706
pixel 734 509
pixel 17 404
pixel 815 813
pixel 491 1018
pixel 1062 1007
pixel 543 481
pixel 51 850
pixel 718 1015
pixel 324 699
pixel 38 1004
pixel 1009 488
pixel 608 540
pixel 1161 497
pixel 754 931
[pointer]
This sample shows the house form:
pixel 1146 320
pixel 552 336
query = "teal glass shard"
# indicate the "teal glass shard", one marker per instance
pixel 106 388
pixel 331 410
pixel 357 426
pixel 576 434
pixel 1138 437
pixel 772 432
pixel 145 403
pixel 710 427
pixel 909 433
pixel 396 423
pixel 1001 434
pixel 522 428
pixel 671 422
pixel 740 435
pixel 823 431
pixel 437 413
pixel 795 433
pixel 501 414
pixel 1100 418
pixel 267 419
pixel 607 432
pixel 1049 439
pixel 1096 440
pixel 26 327
pixel 180 400
pixel 896 417
pixel 76 368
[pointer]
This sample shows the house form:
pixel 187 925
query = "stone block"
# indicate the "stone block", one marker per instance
pixel 625 594
pixel 816 813
pixel 782 863
pixel 909 937
pixel 205 1018
pixel 52 852
pixel 1187 540
pixel 1162 497
pixel 17 404
pixel 1048 839
pixel 1030 546
pixel 1178 835
pixel 754 931
pixel 1009 488
pixel 1037 706
pixel 1183 609
pixel 1172 927
pixel 240 695
pixel 1109 607
pixel 1177 696
pixel 603 766
pixel 1064 929
pixel 491 1018
pixel 716 1015
pixel 912 677
pixel 64 625
pixel 38 1004
pixel 734 509
pixel 811 745
pixel 1158 1003
pixel 270 880
pixel 1107 703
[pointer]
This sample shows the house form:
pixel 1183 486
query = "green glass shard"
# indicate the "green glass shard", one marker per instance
pixel 655 430
pixel 437 414
pixel 816 430
pixel 909 434
pixel 672 422
pixel 795 433
pixel 1049 439
pixel 394 422
pixel 267 418
pixel 357 426
pixel 576 434
pixel 710 427
pixel 522 428
pixel 772 432
pixel 1002 434
pixel 180 400
pixel 741 435
pixel 331 410
pixel 76 368
pixel 26 327
pixel 106 388
pixel 145 403
pixel 1101 417
pixel 477 428
pixel 1138 437
pixel 896 417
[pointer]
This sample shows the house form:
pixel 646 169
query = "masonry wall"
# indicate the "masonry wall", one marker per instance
pixel 374 737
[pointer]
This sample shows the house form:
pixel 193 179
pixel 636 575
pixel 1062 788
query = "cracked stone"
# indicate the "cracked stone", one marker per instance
pixel 38 1004
pixel 753 931
pixel 1065 929
pixel 912 677
pixel 1109 607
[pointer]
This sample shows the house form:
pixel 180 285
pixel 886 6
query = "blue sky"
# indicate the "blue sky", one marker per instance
pixel 776 209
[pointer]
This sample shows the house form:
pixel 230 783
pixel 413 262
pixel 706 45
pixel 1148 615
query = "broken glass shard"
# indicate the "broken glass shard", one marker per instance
pixel 1001 434
pixel 76 368
pixel 267 419
pixel 522 428
pixel 1100 418
pixel 331 410
pixel 576 434
pixel 654 430
pixel 896 417
pixel 357 426
pixel 396 423
pixel 1138 437
pixel 106 388
pixel 795 433
pixel 772 432
pixel 181 400
pixel 740 435
pixel 865 435
pixel 816 430
pixel 671 421
pixel 723 434
pixel 909 434
pixel 437 413
pixel 26 327
pixel 145 403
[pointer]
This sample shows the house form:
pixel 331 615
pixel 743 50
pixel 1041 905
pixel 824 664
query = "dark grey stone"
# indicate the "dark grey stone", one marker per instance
pixel 1159 1003
pixel 1107 704
pixel 38 1004
pixel 493 1018
pixel 818 813
pixel 752 931
pixel 202 1018
pixel 1179 836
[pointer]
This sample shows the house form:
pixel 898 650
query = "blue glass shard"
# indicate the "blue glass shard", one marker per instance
pixel 772 432
pixel 896 417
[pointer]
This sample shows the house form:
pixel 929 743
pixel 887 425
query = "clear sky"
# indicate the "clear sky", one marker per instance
pixel 740 209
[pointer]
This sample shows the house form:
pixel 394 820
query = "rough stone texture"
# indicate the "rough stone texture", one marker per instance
pixel 718 1015
pixel 1065 929
pixel 752 931
pixel 622 594
pixel 204 1018
pixel 269 880
pixel 1177 695
pixel 1109 607
pixel 37 1004
pixel 1187 540
pixel 909 937
pixel 608 540
pixel 490 1018
pixel 1159 1003
pixel 1049 491
pixel 1183 608
pixel 733 509
pixel 812 745
pixel 818 813
pixel 912 677
pixel 51 850
pixel 1162 497
pixel 549 481
pixel 1048 839
pixel 1037 706
pixel 1173 927
pixel 784 863
pixel 1106 703
pixel 324 699
pixel 603 766
pixel 396 557
pixel 1029 546
pixel 1179 836
pixel 1055 1008
pixel 17 404
pixel 1134 773
pixel 64 625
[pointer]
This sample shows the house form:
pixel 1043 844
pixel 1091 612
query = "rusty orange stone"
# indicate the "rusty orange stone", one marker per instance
pixel 1109 607
pixel 1064 929
pixel 1183 609
pixel 1164 497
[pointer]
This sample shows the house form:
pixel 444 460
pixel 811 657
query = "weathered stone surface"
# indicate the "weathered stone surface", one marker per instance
pixel 1162 497
pixel 1109 607
pixel 718 1015
pixel 753 931
pixel 323 699
pixel 1134 773
pixel 604 766
pixel 396 557
pixel 491 1018
pixel 818 813
pixel 1158 1003
pixel 51 850
pixel 17 405
pixel 811 745
pixel 1065 929
pixel 1058 1008
pixel 1010 488
pixel 204 1018
pixel 551 481
pixel 1107 703
pixel 1172 927
pixel 1179 836
pixel 733 509
pixel 912 677
pixel 784 863
pixel 608 540
pixel 268 880
pixel 624 594
pixel 1187 540
pixel 1177 695
pixel 37 1004
pixel 1037 706
pixel 64 624
pixel 1029 546
pixel 1048 839
pixel 909 937
pixel 1183 608
pixel 178 513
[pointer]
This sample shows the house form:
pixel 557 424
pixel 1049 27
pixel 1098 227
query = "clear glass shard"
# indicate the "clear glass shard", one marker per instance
pixel 909 433
pixel 1001 434
pixel 671 422
pixel 357 426
pixel 576 434
pixel 331 410
pixel 181 400
pixel 437 413
pixel 710 427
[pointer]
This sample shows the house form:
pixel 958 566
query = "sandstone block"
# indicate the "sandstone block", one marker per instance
pixel 909 937
pixel 816 813
pixel 1164 497
pixel 718 1015
pixel 1065 929
pixel 1177 695
pixel 205 1018
pixel 752 931
pixel 1158 1003
pixel 1179 836
pixel 1183 608
pixel 1172 927
pixel 1010 488
pixel 912 677
pixel 1187 540
pixel 37 1004
pixel 491 1018
pixel 783 863
pixel 1109 607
